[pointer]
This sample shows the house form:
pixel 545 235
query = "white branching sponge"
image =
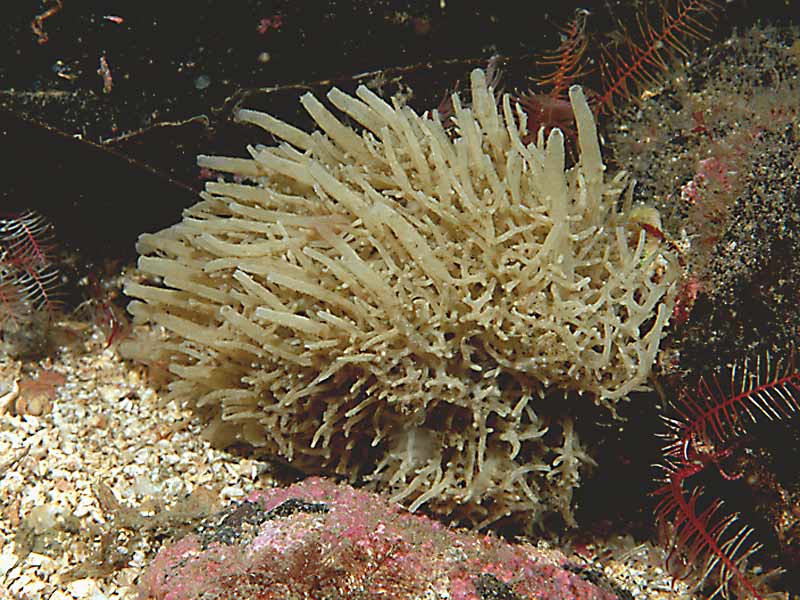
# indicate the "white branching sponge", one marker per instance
pixel 394 301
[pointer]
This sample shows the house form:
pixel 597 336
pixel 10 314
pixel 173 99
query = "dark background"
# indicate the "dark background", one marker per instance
pixel 104 166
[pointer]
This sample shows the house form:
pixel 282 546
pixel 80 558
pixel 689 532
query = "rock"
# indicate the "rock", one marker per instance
pixel 318 539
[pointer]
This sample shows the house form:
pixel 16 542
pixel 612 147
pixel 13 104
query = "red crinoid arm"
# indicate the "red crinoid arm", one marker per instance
pixel 568 60
pixel 12 306
pixel 724 402
pixel 26 240
pixel 708 420
pixel 27 277
pixel 37 287
pixel 638 63
pixel 701 544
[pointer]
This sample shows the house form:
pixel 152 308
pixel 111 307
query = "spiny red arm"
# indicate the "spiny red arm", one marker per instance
pixel 701 539
pixel 707 420
pixel 568 60
pixel 24 239
pixel 770 388
pixel 26 274
pixel 641 62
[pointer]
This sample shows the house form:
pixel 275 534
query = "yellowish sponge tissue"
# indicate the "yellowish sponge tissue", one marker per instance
pixel 394 299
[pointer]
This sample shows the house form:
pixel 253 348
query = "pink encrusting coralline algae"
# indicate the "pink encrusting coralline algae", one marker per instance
pixel 319 539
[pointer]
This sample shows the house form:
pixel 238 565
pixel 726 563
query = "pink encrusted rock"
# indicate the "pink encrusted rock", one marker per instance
pixel 321 540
